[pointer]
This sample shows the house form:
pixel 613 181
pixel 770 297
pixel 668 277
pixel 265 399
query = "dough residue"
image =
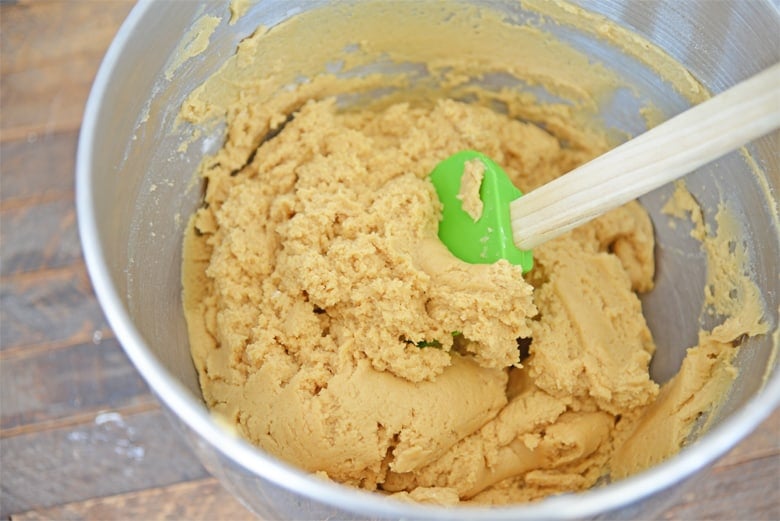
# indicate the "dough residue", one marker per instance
pixel 470 183
pixel 194 43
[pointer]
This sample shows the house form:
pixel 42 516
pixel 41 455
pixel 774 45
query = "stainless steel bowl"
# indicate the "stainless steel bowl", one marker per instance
pixel 135 191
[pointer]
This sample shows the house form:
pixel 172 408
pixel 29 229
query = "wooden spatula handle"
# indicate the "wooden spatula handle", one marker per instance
pixel 672 149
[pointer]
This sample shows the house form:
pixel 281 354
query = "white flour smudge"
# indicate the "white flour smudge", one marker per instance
pixel 110 430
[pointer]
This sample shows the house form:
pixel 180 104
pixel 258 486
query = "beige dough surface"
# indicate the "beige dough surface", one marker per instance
pixel 330 325
pixel 311 282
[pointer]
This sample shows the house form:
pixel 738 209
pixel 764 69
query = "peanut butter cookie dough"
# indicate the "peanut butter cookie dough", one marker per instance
pixel 332 327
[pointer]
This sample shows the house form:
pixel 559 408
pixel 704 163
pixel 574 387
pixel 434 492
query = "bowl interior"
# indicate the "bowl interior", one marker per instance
pixel 143 184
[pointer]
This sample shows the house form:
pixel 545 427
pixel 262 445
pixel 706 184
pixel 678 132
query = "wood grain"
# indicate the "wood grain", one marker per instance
pixel 80 435
pixel 719 496
pixel 204 499
pixel 110 454
pixel 37 168
pixel 51 52
pixel 49 308
pixel 764 442
pixel 24 227
pixel 81 378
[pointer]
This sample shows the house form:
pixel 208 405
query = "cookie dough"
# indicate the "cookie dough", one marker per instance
pixel 317 288
pixel 470 183
pixel 330 325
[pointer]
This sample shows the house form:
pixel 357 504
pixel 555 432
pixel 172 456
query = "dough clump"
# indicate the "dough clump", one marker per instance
pixel 329 323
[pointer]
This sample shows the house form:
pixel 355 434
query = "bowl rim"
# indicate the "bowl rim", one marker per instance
pixel 193 413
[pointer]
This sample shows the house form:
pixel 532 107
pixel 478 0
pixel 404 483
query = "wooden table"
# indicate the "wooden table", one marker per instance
pixel 80 435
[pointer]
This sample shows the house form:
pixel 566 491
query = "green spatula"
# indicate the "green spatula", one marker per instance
pixel 487 238
pixel 508 225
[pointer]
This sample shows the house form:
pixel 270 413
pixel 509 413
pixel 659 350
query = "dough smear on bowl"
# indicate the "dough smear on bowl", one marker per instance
pixel 332 327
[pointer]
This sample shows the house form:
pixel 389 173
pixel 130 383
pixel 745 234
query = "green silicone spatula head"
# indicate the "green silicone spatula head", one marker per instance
pixel 475 194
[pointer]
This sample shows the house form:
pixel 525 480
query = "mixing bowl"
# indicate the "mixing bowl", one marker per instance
pixel 136 189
